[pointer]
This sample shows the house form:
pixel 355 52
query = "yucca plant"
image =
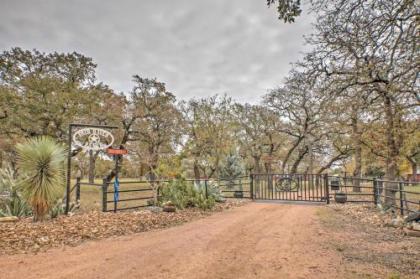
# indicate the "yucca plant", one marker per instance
pixel 41 164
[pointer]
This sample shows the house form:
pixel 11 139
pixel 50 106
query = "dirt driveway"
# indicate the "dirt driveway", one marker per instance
pixel 253 241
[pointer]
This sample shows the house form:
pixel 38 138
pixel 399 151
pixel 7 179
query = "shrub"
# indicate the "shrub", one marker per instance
pixel 215 192
pixel 59 208
pixel 8 182
pixel 41 161
pixel 14 205
pixel 179 192
pixel 200 200
pixel 183 194
pixel 231 169
pixel 11 201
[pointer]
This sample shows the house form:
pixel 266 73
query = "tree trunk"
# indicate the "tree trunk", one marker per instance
pixel 289 153
pixel 413 171
pixel 153 184
pixel 413 165
pixel 257 168
pixel 92 165
pixel 357 173
pixel 392 156
pixel 357 143
pixel 299 159
pixel 268 171
pixel 196 172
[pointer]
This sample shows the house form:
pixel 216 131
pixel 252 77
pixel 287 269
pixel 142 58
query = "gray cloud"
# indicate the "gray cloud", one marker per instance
pixel 199 48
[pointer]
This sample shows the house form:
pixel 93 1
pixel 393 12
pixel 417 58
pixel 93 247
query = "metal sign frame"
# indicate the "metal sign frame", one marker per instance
pixel 69 154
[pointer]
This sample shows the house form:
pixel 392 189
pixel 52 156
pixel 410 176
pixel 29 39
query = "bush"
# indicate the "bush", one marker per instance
pixel 8 182
pixel 14 205
pixel 215 192
pixel 41 163
pixel 231 168
pixel 183 194
pixel 11 201
pixel 59 208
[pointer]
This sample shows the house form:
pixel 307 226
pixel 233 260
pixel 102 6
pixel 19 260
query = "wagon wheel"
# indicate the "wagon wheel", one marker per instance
pixel 286 184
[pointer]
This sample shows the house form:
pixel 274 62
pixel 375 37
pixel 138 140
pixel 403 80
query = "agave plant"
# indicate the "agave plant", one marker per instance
pixel 41 163
pixel 8 181
pixel 11 201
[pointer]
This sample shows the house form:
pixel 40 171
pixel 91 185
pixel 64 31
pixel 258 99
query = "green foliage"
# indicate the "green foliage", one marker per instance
pixel 44 92
pixel 231 169
pixel 59 208
pixel 374 171
pixel 11 201
pixel 14 205
pixel 288 10
pixel 183 194
pixel 215 192
pixel 209 126
pixel 8 182
pixel 178 192
pixel 41 161
pixel 202 202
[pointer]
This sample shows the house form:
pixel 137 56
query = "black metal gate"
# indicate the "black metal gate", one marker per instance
pixel 290 187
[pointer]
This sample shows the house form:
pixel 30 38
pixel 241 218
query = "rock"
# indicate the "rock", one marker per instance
pixel 413 217
pixel 169 208
pixel 8 219
pixel 396 222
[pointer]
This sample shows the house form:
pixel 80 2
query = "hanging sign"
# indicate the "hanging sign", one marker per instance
pixel 113 151
pixel 93 139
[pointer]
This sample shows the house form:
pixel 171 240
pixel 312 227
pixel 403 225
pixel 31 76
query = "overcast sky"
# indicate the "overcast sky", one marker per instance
pixel 197 47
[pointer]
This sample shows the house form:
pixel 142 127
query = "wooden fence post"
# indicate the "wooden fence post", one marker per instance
pixel 78 189
pixel 104 195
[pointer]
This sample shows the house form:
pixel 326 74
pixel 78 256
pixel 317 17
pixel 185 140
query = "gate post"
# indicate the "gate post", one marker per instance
pixel 400 188
pixel 206 186
pixel 327 188
pixel 251 186
pixel 375 191
pixel 104 194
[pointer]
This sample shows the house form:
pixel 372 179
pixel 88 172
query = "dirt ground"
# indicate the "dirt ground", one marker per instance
pixel 258 240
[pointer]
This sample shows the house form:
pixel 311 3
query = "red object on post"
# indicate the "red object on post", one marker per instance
pixel 113 151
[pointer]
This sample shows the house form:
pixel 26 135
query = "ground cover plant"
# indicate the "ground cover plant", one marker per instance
pixel 183 194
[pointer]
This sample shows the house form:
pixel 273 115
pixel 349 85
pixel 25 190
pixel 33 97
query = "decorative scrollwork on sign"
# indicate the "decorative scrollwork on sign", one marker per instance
pixel 93 139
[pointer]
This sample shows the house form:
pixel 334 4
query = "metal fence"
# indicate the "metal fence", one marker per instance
pixel 290 187
pixel 402 196
pixel 134 194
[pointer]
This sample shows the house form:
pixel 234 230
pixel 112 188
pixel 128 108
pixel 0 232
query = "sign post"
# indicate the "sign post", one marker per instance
pixel 88 137
pixel 116 153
